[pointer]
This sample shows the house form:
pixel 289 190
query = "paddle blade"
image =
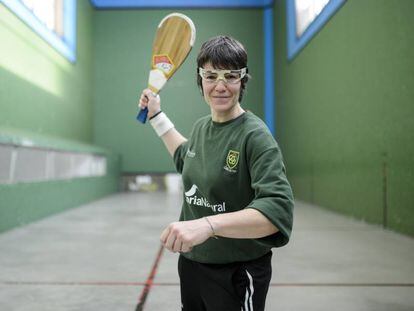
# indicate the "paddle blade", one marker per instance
pixel 173 42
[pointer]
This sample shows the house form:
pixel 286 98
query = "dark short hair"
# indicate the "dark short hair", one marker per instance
pixel 223 52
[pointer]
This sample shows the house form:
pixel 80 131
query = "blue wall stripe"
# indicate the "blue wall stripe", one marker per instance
pixel 111 4
pixel 269 83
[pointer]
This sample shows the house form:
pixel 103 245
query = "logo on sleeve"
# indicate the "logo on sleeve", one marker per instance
pixel 231 161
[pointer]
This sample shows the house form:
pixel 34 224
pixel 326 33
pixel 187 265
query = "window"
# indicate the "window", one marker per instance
pixel 53 20
pixel 304 19
pixel 49 12
pixel 306 12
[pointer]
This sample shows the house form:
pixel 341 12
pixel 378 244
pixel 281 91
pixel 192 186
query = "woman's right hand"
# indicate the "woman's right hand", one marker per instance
pixel 151 101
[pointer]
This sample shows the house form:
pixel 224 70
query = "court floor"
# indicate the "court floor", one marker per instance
pixel 98 257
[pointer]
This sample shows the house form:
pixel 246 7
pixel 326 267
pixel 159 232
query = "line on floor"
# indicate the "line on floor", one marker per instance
pixel 342 284
pixel 105 283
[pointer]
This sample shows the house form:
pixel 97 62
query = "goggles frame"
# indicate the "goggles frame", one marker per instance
pixel 221 74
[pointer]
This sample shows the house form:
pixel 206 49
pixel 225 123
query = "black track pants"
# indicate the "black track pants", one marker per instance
pixel 224 287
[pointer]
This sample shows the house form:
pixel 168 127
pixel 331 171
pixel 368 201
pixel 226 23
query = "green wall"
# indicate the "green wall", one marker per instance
pixel 344 104
pixel 40 90
pixel 123 43
pixel 345 112
pixel 48 100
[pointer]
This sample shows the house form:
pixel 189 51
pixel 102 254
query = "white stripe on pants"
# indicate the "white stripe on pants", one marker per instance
pixel 248 299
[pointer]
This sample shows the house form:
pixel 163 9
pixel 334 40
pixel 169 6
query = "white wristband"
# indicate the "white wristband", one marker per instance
pixel 161 124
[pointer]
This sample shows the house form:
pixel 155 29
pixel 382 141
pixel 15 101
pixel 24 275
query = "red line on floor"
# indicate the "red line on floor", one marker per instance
pixel 342 284
pixel 109 283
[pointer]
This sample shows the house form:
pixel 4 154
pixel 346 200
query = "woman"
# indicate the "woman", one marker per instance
pixel 237 203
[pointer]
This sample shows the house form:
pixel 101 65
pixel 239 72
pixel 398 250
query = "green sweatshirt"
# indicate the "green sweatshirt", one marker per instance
pixel 227 167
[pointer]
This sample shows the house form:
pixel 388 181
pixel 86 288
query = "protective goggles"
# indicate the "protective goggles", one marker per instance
pixel 228 76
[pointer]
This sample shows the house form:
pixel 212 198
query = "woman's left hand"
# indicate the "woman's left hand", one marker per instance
pixel 183 235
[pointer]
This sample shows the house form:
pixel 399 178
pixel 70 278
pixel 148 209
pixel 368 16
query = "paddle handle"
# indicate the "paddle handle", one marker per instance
pixel 142 115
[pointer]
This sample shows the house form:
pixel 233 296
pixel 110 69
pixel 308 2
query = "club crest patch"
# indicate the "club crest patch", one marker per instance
pixel 232 160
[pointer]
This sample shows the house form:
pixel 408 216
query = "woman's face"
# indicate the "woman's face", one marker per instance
pixel 220 96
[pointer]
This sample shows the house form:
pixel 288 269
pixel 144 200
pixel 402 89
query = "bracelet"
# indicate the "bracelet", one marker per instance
pixel 155 115
pixel 211 226
pixel 161 123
